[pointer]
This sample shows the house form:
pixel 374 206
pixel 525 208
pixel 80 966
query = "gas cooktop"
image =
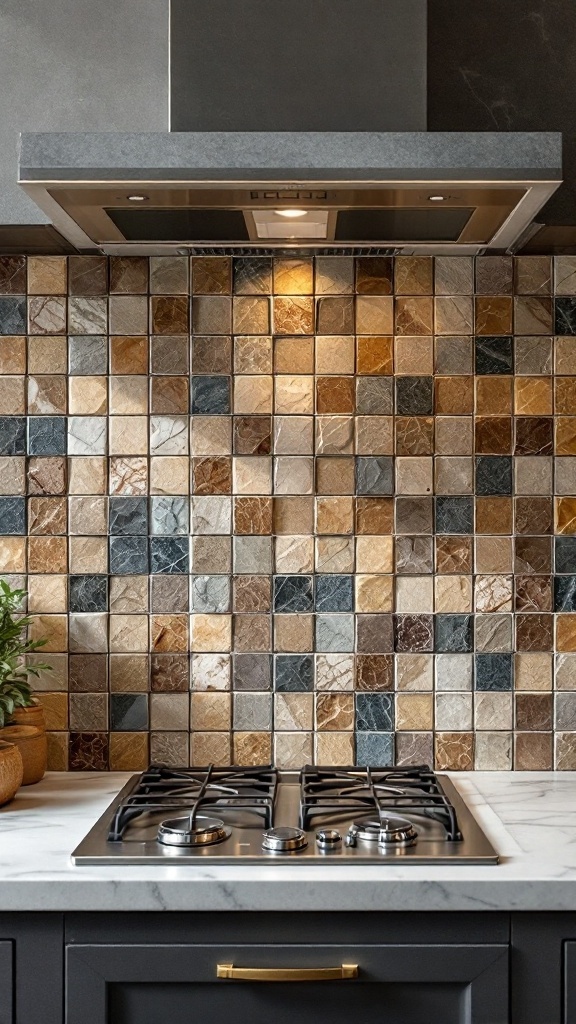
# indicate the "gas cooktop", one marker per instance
pixel 351 815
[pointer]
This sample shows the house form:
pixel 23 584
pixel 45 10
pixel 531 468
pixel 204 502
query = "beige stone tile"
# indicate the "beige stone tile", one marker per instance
pixel 293 435
pixel 129 474
pixel 210 633
pixel 334 435
pixel 335 554
pixel 211 435
pixel 334 748
pixel 12 554
pixel 210 712
pixel 53 629
pixel 294 554
pixel 293 475
pixel 293 395
pixel 293 711
pixel 88 554
pixel 334 671
pixel 374 593
pixel 293 633
pixel 453 594
pixel 533 671
pixel 128 395
pixel 87 396
pixel 128 634
pixel 414 712
pixel 87 475
pixel 414 672
pixel 414 594
pixel 334 354
pixel 374 554
pixel 47 594
pixel 414 356
pixel 128 435
pixel 414 475
pixel 12 474
pixel 253 394
pixel 292 750
pixel 252 474
pixel 169 474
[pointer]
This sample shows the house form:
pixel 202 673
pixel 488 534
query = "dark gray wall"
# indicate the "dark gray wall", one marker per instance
pixel 71 65
pixel 507 65
pixel 306 65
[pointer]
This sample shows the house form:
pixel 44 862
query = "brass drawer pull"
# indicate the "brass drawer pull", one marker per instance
pixel 287 973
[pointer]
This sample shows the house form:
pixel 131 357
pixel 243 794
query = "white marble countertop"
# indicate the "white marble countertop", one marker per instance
pixel 529 816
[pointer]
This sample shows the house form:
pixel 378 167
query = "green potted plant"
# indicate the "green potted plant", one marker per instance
pixel 21 715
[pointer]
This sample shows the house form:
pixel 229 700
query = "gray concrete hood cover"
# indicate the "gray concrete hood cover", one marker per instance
pixel 416 192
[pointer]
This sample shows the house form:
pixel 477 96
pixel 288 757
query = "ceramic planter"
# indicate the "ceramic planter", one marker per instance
pixel 33 747
pixel 11 771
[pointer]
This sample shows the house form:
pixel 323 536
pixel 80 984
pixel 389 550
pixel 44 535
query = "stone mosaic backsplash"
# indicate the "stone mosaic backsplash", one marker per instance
pixel 294 509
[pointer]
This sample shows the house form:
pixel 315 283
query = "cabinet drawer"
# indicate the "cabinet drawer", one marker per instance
pixel 6 982
pixel 396 984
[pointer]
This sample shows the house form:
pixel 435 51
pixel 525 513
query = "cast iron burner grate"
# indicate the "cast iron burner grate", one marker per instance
pixel 339 793
pixel 221 790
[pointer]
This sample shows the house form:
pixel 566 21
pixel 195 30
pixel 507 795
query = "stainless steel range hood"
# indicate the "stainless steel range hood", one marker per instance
pixel 415 192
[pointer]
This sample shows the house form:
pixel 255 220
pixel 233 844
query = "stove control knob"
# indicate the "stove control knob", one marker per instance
pixel 328 838
pixel 351 836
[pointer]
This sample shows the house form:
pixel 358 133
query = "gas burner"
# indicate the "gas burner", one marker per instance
pixel 284 839
pixel 389 831
pixel 193 831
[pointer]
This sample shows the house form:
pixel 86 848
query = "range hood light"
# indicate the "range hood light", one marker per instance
pixel 437 199
pixel 290 213
pixel 137 199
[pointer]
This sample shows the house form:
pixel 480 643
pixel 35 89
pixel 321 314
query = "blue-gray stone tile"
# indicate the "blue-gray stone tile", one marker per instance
pixel 334 633
pixel 334 593
pixel 375 749
pixel 87 355
pixel 252 671
pixel 88 593
pixel 128 517
pixel 128 712
pixel 169 516
pixel 12 435
pixel 252 712
pixel 494 355
pixel 493 474
pixel 169 555
pixel 374 712
pixel 210 395
pixel 12 516
pixel 293 594
pixel 294 673
pixel 12 314
pixel 493 672
pixel 375 475
pixel 46 435
pixel 252 275
pixel 564 316
pixel 374 396
pixel 128 555
pixel 565 554
pixel 453 633
pixel 454 514
pixel 210 594
pixel 565 593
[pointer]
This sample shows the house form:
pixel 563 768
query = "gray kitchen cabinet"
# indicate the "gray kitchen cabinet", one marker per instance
pixel 76 65
pixel 31 947
pixel 6 981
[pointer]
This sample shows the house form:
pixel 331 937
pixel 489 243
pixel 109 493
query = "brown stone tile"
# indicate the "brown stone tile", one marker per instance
pixel 252 435
pixel 533 315
pixel 493 396
pixel 334 712
pixel 252 633
pixel 335 315
pixel 414 435
pixel 533 751
pixel 293 515
pixel 533 712
pixel 565 439
pixel 494 275
pixel 253 354
pixel 534 435
pixel 533 515
pixel 212 475
pixel 414 633
pixel 211 275
pixel 47 475
pixel 454 555
pixel 47 554
pixel 565 515
pixel 294 355
pixel 374 515
pixel 534 631
pixel 533 555
pixel 88 751
pixel 169 314
pixel 414 316
pixel 532 275
pixel 252 594
pixel 493 435
pixel 413 275
pixel 566 632
pixel 128 355
pixel 374 354
pixel 293 276
pixel 57 751
pixel 454 751
pixel 374 315
pixel 169 633
pixel 47 275
pixel 87 275
pixel 252 748
pixel 129 275
pixel 494 515
pixel 564 395
pixel 374 275
pixel 335 475
pixel 169 673
pixel 414 514
pixel 129 673
pixel 12 354
pixel 46 395
pixel 533 593
pixel 335 394
pixel 454 395
pixel 47 516
pixel 129 751
pixel 12 275
pixel 565 760
pixel 211 354
pixel 454 435
pixel 414 356
pixel 87 673
pixel 47 355
pixel 169 395
pixel 293 633
pixel 252 515
pixel 493 315
pixel 374 672
pixel 292 315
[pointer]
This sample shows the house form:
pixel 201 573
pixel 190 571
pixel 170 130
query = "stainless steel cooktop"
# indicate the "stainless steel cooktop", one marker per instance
pixel 349 815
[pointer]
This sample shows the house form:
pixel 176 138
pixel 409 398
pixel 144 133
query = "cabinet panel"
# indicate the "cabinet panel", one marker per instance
pixel 570 982
pixel 6 982
pixel 457 984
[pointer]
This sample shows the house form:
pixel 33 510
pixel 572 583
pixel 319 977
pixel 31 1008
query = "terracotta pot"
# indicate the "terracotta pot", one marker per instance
pixel 34 715
pixel 33 747
pixel 11 771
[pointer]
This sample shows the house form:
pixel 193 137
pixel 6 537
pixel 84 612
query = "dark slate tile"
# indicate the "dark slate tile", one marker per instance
pixel 414 396
pixel 169 555
pixel 374 712
pixel 293 594
pixel 128 517
pixel 453 633
pixel 564 316
pixel 375 749
pixel 565 593
pixel 128 712
pixel 12 516
pixel 47 435
pixel 494 355
pixel 12 314
pixel 493 474
pixel 374 396
pixel 454 514
pixel 128 555
pixel 87 355
pixel 493 671
pixel 210 395
pixel 252 671
pixel 12 275
pixel 88 593
pixel 12 435
pixel 294 673
pixel 375 475
pixel 565 554
pixel 252 275
pixel 88 751
pixel 334 593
